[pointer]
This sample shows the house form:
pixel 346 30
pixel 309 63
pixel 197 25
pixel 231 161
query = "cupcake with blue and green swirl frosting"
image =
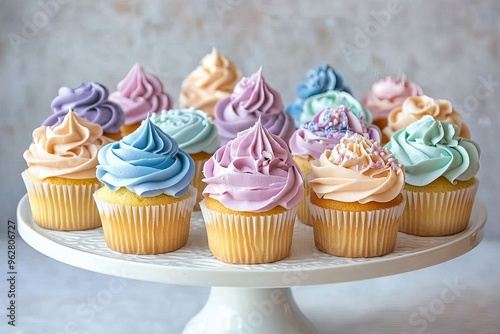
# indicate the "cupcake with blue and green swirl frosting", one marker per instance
pixel 196 133
pixel 440 176
pixel 146 202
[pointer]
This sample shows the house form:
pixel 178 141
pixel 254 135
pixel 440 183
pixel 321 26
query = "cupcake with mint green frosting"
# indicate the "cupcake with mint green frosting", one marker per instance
pixel 440 176
pixel 146 202
pixel 196 134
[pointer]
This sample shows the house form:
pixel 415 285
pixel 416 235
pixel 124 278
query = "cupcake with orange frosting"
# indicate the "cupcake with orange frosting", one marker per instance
pixel 414 108
pixel 356 202
pixel 213 80
pixel 324 132
pixel 139 94
pixel 61 174
pixel 146 202
pixel 440 176
pixel 253 189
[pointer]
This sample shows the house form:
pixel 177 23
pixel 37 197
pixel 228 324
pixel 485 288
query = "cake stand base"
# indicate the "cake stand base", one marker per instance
pixel 248 311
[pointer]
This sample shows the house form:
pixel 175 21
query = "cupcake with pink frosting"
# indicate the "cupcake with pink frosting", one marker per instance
pixel 252 99
pixel 324 132
pixel 139 94
pixel 251 198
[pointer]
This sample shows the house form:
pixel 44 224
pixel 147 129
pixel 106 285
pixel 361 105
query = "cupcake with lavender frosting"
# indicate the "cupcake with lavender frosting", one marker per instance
pixel 324 132
pixel 88 101
pixel 252 99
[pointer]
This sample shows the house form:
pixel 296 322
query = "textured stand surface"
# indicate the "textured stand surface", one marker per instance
pixel 246 298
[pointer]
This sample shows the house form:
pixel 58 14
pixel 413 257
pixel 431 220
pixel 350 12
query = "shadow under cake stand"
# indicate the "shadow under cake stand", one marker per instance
pixel 246 299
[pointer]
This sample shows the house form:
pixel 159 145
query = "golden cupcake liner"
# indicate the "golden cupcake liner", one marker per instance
pixel 153 229
pixel 198 183
pixel 248 239
pixel 356 234
pixel 303 212
pixel 62 207
pixel 438 213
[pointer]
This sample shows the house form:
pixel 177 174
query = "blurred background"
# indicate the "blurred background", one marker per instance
pixel 450 48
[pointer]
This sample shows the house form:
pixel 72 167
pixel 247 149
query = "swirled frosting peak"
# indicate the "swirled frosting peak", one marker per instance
pixel 333 98
pixel 213 80
pixel 140 93
pixel 89 101
pixel 357 170
pixel 416 107
pixel 387 94
pixel 254 172
pixel 318 80
pixel 68 150
pixel 147 162
pixel 326 130
pixel 430 149
pixel 192 129
pixel 252 98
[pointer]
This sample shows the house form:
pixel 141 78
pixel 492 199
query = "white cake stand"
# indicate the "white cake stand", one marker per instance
pixel 246 299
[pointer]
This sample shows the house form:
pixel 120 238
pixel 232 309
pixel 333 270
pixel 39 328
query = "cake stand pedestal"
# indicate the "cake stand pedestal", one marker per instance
pixel 246 299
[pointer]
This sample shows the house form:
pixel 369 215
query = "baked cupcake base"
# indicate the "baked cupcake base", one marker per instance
pixel 138 225
pixel 438 209
pixel 247 237
pixel 353 229
pixel 199 161
pixel 63 204
pixel 303 213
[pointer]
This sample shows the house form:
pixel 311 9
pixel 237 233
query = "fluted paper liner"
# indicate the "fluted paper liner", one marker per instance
pixel 153 229
pixel 438 213
pixel 62 207
pixel 197 181
pixel 303 212
pixel 356 234
pixel 246 239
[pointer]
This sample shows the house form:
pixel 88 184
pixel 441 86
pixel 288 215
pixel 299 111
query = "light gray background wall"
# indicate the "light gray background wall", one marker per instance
pixel 451 48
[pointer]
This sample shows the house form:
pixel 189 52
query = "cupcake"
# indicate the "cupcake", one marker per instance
pixel 440 176
pixel 387 94
pixel 324 132
pixel 140 94
pixel 61 174
pixel 318 80
pixel 253 189
pixel 333 98
pixel 146 202
pixel 356 202
pixel 195 133
pixel 416 107
pixel 89 101
pixel 252 99
pixel 213 80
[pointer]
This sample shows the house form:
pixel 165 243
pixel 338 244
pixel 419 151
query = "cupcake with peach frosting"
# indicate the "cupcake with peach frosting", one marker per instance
pixel 213 80
pixel 416 107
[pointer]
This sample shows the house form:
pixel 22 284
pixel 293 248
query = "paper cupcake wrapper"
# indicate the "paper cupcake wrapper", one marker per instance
pixel 198 183
pixel 153 229
pixel 245 239
pixel 303 212
pixel 438 213
pixel 356 234
pixel 62 207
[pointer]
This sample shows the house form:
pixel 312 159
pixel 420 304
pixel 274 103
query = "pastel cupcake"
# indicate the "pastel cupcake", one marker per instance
pixel 139 94
pixel 387 94
pixel 440 181
pixel 318 80
pixel 61 174
pixel 356 202
pixel 213 80
pixel 324 132
pixel 253 189
pixel 252 99
pixel 195 133
pixel 333 98
pixel 414 108
pixel 88 100
pixel 146 202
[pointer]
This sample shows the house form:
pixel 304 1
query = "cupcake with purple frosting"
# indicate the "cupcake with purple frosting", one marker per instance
pixel 323 132
pixel 252 98
pixel 88 101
